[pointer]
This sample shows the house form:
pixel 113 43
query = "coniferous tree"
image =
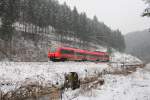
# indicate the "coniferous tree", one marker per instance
pixel 9 15
pixel 1 7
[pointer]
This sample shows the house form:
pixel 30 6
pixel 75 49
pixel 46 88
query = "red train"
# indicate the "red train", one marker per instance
pixel 73 54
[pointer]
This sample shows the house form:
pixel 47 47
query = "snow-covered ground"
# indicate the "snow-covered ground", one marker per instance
pixel 132 87
pixel 18 73
pixel 15 74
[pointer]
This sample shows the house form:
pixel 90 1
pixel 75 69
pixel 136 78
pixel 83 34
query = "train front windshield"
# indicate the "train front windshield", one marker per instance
pixel 53 50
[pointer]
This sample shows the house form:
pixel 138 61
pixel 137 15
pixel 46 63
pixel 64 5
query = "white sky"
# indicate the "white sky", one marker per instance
pixel 117 14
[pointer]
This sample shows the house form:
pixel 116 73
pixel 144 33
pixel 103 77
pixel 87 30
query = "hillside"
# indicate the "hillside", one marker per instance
pixel 26 46
pixel 137 43
pixel 33 44
pixel 29 27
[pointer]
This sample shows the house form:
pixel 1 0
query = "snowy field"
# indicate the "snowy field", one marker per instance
pixel 135 86
pixel 15 74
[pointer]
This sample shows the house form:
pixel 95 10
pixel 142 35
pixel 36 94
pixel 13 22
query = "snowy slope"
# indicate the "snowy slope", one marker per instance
pixel 122 57
pixel 45 73
pixel 133 87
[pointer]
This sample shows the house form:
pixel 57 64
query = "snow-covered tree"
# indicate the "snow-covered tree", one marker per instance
pixel 147 10
pixel 147 1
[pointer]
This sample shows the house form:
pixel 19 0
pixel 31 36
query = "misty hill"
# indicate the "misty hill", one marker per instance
pixel 137 43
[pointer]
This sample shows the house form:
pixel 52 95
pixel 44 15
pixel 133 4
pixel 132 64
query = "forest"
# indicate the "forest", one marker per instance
pixel 64 20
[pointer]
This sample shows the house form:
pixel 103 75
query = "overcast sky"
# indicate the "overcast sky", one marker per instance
pixel 117 14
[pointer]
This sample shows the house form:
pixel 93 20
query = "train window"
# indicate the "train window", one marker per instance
pixel 95 56
pixel 80 54
pixel 53 49
pixel 63 51
pixel 107 56
pixel 90 56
